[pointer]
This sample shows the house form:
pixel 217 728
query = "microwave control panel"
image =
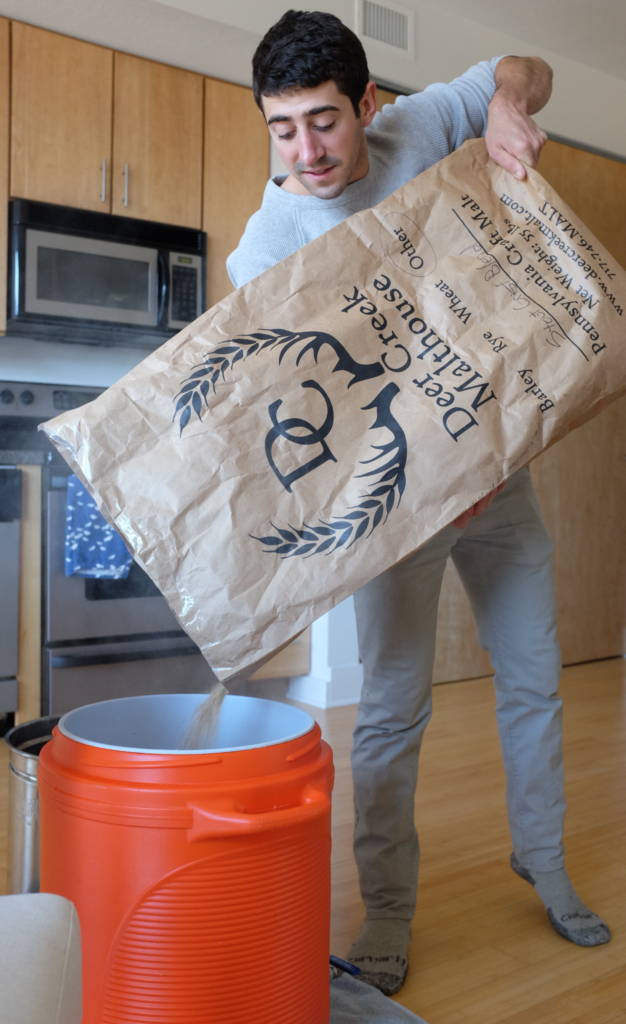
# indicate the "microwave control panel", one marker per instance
pixel 185 289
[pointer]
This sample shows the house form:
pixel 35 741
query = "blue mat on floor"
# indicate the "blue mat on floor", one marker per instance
pixel 353 1002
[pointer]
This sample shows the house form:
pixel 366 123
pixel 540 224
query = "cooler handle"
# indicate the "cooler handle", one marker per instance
pixel 211 822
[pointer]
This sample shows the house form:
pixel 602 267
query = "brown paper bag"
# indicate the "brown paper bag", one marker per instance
pixel 329 417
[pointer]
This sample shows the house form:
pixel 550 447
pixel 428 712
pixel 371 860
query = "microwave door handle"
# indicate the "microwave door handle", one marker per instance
pixel 163 288
pixel 17 286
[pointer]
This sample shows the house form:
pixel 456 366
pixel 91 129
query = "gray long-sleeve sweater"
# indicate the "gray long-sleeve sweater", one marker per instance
pixel 403 140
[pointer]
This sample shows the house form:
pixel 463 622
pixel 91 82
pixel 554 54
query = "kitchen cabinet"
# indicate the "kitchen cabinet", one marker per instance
pixel 61 119
pixel 63 134
pixel 157 142
pixel 236 170
pixel 5 92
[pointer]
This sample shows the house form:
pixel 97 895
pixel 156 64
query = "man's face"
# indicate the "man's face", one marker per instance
pixel 319 137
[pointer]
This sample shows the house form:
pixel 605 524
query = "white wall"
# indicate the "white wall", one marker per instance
pixel 336 674
pixel 587 105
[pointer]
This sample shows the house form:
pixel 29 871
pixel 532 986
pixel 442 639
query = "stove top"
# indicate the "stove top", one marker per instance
pixel 23 406
pixel 43 401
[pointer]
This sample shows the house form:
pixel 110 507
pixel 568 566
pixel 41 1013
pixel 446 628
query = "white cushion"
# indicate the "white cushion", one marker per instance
pixel 40 960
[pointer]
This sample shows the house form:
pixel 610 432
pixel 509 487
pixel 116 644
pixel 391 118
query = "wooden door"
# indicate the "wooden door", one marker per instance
pixel 293 660
pixel 457 654
pixel 5 87
pixel 384 96
pixel 580 482
pixel 236 170
pixel 594 186
pixel 61 100
pixel 157 142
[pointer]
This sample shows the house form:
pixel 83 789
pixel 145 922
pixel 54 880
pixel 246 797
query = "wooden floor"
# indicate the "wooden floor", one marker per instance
pixel 483 950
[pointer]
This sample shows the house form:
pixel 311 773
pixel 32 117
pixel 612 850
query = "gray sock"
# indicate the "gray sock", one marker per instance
pixel 568 914
pixel 382 953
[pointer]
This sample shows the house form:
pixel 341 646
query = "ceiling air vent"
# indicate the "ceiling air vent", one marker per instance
pixel 387 24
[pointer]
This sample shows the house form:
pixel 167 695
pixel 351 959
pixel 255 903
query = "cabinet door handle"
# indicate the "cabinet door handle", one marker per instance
pixel 125 184
pixel 103 191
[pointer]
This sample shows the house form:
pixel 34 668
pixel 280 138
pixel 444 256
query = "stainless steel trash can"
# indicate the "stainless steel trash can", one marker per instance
pixel 25 743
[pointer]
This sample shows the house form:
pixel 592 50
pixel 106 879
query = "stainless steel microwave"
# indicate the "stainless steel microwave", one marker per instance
pixel 80 276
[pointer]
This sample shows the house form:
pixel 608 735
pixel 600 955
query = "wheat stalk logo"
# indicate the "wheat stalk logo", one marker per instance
pixel 388 464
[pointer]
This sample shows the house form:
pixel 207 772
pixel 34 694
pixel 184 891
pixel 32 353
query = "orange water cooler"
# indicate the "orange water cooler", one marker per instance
pixel 201 878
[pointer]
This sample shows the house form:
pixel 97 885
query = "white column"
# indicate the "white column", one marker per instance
pixel 336 674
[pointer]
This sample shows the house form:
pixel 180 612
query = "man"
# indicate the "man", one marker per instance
pixel 312 83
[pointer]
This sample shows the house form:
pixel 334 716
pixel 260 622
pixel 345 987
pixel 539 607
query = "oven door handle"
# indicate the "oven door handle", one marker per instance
pixel 163 287
pixel 87 660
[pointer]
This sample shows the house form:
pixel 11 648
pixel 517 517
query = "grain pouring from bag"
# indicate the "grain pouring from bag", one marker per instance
pixel 203 725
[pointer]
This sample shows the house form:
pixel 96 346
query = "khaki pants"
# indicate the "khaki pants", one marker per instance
pixel 504 560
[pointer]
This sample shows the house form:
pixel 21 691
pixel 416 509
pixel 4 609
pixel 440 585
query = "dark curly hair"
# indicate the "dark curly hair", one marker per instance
pixel 303 50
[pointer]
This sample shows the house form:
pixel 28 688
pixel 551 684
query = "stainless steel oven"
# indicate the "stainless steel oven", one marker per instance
pixel 100 638
pixel 10 515
pixel 76 275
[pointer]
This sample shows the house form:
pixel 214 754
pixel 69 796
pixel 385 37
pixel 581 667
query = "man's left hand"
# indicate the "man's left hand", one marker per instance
pixel 475 510
pixel 523 86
